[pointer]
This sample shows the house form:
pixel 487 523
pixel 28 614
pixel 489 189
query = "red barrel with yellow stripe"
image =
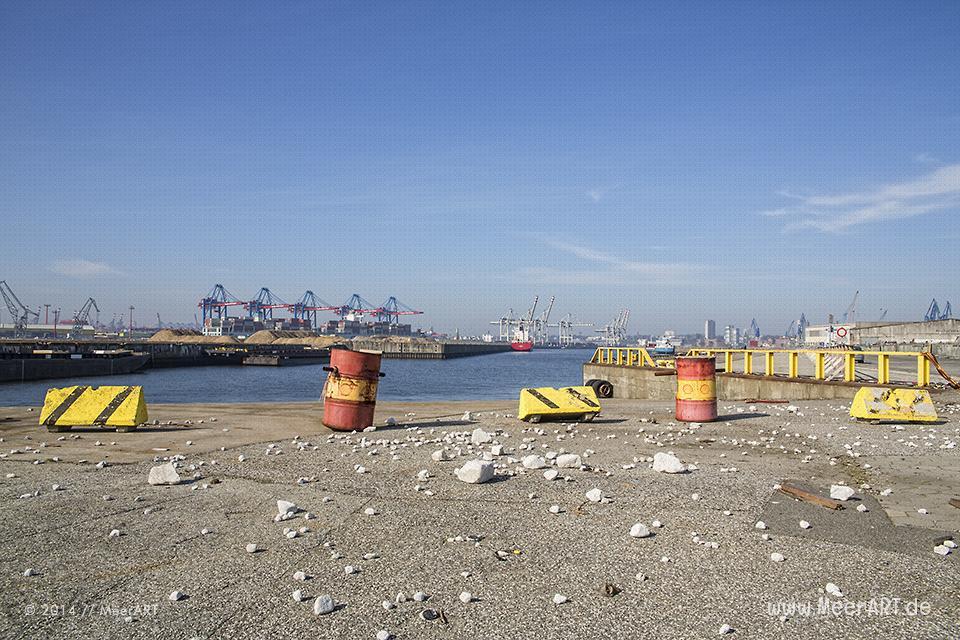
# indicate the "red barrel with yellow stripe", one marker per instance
pixel 350 392
pixel 696 389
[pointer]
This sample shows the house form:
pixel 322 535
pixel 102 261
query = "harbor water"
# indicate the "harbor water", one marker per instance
pixel 497 376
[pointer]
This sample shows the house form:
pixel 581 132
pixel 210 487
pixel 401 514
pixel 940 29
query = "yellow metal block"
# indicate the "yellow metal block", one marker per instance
pixel 899 405
pixel 568 403
pixel 94 406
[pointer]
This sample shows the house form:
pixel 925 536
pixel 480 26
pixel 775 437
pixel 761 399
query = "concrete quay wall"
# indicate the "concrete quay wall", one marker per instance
pixel 643 383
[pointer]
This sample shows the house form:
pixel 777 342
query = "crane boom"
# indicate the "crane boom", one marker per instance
pixel 80 318
pixel 18 311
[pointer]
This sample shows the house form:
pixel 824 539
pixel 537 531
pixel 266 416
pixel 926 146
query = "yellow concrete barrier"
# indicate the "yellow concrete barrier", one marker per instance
pixel 67 407
pixel 568 403
pixel 899 405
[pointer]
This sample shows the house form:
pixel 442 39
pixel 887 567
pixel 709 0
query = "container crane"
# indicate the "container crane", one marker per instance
pixel 850 314
pixel 565 329
pixel 20 314
pixel 80 317
pixel 542 322
pixel 754 328
pixel 217 303
pixel 355 308
pixel 306 308
pixel 261 307
pixel 615 332
pixel 391 310
pixel 935 313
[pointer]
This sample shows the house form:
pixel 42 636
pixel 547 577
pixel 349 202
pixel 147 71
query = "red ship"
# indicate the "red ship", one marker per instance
pixel 521 341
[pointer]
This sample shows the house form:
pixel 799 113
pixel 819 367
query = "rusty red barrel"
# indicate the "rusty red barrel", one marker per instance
pixel 350 392
pixel 696 389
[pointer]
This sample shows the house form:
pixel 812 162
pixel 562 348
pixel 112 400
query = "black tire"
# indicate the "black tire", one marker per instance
pixel 604 389
pixel 591 383
pixel 595 385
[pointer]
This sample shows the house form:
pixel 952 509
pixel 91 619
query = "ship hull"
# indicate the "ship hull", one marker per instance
pixel 521 346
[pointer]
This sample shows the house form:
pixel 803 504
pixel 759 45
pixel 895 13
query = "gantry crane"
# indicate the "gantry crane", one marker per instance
pixel 18 311
pixel 81 316
pixel 615 332
pixel 565 329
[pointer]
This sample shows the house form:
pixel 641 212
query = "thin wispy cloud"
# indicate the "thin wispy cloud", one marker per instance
pixel 80 268
pixel 925 158
pixel 936 191
pixel 618 270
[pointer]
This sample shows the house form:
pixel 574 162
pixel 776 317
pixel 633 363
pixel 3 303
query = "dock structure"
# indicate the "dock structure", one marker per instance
pixel 432 350
pixel 808 374
pixel 34 359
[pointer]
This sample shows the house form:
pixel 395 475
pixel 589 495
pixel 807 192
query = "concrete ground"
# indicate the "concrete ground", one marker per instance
pixel 497 540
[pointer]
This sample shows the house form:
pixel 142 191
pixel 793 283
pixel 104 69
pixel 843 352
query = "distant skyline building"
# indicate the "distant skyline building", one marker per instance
pixel 732 335
pixel 710 330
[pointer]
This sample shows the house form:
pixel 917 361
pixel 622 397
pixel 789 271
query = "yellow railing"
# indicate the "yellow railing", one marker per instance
pixel 639 357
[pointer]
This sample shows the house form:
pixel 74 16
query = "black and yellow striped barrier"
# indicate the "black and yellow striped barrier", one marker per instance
pixel 568 403
pixel 122 407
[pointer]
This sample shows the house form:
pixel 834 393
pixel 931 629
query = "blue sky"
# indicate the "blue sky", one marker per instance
pixel 685 160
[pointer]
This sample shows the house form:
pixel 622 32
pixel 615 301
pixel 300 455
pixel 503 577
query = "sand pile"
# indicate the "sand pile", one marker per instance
pixel 306 338
pixel 189 336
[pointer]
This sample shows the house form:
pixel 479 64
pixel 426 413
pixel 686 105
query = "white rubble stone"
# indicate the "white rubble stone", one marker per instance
pixel 391 421
pixel 29 573
pixel 724 630
pixel 760 524
pixel 349 570
pixel 300 576
pixel 176 595
pixel 777 557
pixel 569 461
pixel 466 597
pixel 833 590
pixel 479 437
pixel 666 463
pixel 370 511
pixel 475 472
pixel 496 450
pixel 639 530
pixel 559 598
pixel 323 605
pixel 594 495
pixel 941 549
pixel 285 507
pixel 950 544
pixel 252 548
pixel 862 508
pixel 440 455
pixel 841 492
pixel 554 509
pixel 420 596
pixel 804 524
pixel 115 533
pixel 383 634
pixel 551 474
pixel 163 474
pixel 533 461
pixel 298 596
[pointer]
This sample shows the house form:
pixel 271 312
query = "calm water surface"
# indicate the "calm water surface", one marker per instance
pixel 492 377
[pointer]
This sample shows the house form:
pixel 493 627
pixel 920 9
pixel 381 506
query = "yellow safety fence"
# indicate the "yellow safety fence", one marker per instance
pixel 785 363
